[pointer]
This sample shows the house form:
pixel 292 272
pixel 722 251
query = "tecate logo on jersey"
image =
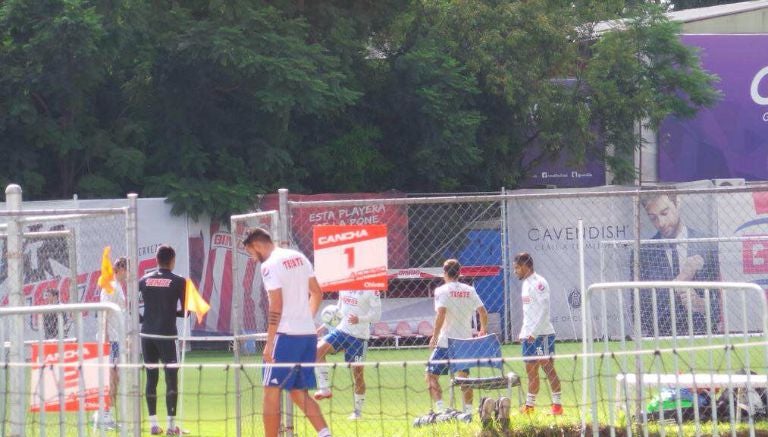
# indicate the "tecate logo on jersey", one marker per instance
pixel 343 236
pixel 754 90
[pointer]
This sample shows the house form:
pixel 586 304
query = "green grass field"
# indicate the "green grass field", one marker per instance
pixel 397 392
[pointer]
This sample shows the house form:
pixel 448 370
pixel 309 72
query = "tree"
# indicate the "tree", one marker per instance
pixel 209 102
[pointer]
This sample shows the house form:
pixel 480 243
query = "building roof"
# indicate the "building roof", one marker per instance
pixel 695 14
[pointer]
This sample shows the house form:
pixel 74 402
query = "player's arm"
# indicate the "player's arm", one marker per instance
pixel 439 321
pixel 182 303
pixel 483 320
pixel 315 296
pixel 274 314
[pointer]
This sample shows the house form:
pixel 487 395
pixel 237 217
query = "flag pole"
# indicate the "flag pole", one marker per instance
pixel 185 330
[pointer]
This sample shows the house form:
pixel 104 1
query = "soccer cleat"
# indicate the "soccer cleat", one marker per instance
pixel 323 394
pixel 173 431
pixel 487 409
pixel 502 413
pixel 156 430
pixel 557 410
pixel 356 415
pixel 527 409
pixel 425 420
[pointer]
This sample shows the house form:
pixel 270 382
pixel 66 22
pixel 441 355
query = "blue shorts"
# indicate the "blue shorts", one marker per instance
pixel 441 353
pixel 354 348
pixel 541 347
pixel 292 349
pixel 114 352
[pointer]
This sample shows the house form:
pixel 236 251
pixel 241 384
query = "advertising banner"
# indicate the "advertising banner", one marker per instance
pixel 548 230
pixel 730 139
pixel 45 378
pixel 351 257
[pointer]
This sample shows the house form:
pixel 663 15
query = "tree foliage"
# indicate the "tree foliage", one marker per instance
pixel 210 102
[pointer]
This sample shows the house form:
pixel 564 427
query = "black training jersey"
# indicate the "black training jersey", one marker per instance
pixel 162 292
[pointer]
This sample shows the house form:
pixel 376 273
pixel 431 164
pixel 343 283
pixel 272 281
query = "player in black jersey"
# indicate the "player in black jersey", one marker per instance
pixel 162 291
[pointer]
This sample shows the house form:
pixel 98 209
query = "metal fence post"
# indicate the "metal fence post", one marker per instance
pixel 132 326
pixel 16 299
pixel 237 314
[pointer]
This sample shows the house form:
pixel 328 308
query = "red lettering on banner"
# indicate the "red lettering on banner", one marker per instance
pixel 755 256
pixel 761 202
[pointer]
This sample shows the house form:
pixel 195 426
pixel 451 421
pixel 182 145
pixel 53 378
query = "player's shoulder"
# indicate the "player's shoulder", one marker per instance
pixel 539 283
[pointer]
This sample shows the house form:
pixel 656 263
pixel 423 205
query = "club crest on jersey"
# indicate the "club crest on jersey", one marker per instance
pixel 540 286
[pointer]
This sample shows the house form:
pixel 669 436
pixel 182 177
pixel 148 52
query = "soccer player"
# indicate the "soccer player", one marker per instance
pixel 294 298
pixel 358 309
pixel 455 305
pixel 117 297
pixel 537 334
pixel 163 293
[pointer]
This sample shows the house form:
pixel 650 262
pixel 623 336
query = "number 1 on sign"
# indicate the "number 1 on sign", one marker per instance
pixel 350 252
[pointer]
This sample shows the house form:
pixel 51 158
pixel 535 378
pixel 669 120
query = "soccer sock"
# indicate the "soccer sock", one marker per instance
pixel 468 408
pixel 325 432
pixel 171 422
pixel 556 398
pixel 359 400
pixel 153 421
pixel 323 380
pixel 439 405
pixel 530 400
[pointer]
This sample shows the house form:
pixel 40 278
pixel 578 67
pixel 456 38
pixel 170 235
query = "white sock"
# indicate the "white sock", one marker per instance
pixel 323 380
pixel 556 398
pixel 468 408
pixel 439 405
pixel 359 400
pixel 325 432
pixel 153 421
pixel 530 400
pixel 171 422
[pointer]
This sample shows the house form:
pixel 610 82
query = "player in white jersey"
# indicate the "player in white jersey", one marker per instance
pixel 455 305
pixel 113 336
pixel 359 308
pixel 294 298
pixel 537 334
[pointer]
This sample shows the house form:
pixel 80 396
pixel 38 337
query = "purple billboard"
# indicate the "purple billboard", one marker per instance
pixel 729 140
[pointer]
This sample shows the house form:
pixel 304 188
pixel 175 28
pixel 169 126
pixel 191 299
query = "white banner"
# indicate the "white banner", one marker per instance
pixel 547 229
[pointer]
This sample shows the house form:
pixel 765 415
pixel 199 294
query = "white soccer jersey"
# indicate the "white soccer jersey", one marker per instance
pixel 535 295
pixel 366 305
pixel 290 271
pixel 460 302
pixel 118 298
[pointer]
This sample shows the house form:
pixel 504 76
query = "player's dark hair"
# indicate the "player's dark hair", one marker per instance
pixel 524 259
pixel 257 234
pixel 452 268
pixel 121 263
pixel 165 255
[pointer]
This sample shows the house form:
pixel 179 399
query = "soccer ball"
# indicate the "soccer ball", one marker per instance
pixel 330 315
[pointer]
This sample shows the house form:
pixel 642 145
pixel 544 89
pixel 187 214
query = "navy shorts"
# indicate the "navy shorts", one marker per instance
pixel 354 348
pixel 292 349
pixel 540 348
pixel 440 353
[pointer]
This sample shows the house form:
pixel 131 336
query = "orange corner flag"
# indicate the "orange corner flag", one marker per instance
pixel 107 274
pixel 194 302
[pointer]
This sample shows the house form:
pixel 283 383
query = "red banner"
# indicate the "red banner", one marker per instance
pixel 394 216
pixel 46 377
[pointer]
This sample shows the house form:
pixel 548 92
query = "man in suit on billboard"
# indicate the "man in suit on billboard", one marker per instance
pixel 677 261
